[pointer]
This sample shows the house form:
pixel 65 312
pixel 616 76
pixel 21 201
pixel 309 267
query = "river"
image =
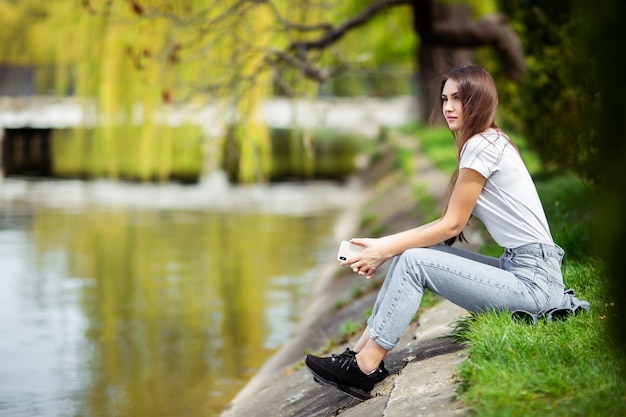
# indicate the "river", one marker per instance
pixel 128 299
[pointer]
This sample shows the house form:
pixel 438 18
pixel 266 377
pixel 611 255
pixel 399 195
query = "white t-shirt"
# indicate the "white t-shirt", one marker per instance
pixel 508 205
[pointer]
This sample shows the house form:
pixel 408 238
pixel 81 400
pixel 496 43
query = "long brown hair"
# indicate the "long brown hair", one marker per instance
pixel 479 98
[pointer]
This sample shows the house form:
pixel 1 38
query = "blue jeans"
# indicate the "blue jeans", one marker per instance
pixel 526 278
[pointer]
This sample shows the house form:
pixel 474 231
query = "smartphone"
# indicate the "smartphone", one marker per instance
pixel 348 250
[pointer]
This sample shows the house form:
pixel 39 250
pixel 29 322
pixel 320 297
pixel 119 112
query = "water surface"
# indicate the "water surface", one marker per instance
pixel 151 300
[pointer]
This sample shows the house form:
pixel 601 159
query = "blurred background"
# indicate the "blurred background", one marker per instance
pixel 172 170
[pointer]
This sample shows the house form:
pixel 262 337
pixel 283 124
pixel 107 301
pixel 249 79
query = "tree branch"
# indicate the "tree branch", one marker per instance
pixel 289 25
pixel 304 66
pixel 493 30
pixel 333 34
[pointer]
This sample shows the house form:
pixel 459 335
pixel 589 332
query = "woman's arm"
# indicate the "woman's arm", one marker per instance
pixel 467 188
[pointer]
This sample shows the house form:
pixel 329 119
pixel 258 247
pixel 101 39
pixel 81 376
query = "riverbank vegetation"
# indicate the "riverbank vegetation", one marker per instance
pixel 161 153
pixel 136 63
pixel 553 368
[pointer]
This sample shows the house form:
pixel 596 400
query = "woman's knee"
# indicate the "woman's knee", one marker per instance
pixel 414 256
pixel 411 264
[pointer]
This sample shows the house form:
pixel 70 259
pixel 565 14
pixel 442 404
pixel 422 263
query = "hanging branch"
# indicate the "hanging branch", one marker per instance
pixel 493 30
pixel 334 34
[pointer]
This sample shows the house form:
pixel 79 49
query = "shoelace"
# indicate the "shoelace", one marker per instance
pixel 347 362
pixel 346 355
pixel 344 359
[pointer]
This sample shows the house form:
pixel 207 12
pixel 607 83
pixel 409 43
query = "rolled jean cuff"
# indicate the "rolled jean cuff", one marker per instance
pixel 379 341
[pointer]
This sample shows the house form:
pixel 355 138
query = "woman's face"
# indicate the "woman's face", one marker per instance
pixel 452 106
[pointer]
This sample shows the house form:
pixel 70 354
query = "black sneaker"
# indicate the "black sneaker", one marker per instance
pixel 381 372
pixel 342 372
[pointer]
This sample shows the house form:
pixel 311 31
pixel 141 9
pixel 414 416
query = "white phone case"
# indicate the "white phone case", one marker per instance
pixel 348 250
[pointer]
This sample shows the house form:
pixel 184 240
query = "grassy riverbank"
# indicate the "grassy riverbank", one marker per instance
pixel 553 368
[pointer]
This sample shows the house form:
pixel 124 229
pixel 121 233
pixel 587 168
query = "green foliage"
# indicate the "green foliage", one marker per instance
pixel 554 368
pixel 568 203
pixel 368 219
pixel 385 40
pixel 428 206
pixel 429 299
pixel 436 142
pixel 19 45
pixel 314 154
pixel 602 35
pixel 554 104
pixel 163 52
pixel 160 153
pixel 405 160
pixel 151 53
pixel 347 329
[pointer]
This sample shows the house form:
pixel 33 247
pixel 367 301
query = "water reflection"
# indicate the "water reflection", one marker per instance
pixel 150 300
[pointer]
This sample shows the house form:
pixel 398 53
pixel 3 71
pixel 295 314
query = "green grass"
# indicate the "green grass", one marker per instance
pixel 554 368
pixel 438 144
pixel 551 369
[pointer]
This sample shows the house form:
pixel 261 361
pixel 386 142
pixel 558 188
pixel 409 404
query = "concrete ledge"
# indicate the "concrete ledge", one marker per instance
pixel 421 383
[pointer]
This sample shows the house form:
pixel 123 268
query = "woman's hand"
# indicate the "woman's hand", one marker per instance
pixel 467 188
pixel 369 259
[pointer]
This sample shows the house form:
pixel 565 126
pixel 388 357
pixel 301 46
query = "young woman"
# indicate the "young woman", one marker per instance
pixel 490 183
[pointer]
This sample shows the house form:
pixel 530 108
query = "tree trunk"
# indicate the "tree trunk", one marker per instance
pixel 433 58
pixel 447 38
